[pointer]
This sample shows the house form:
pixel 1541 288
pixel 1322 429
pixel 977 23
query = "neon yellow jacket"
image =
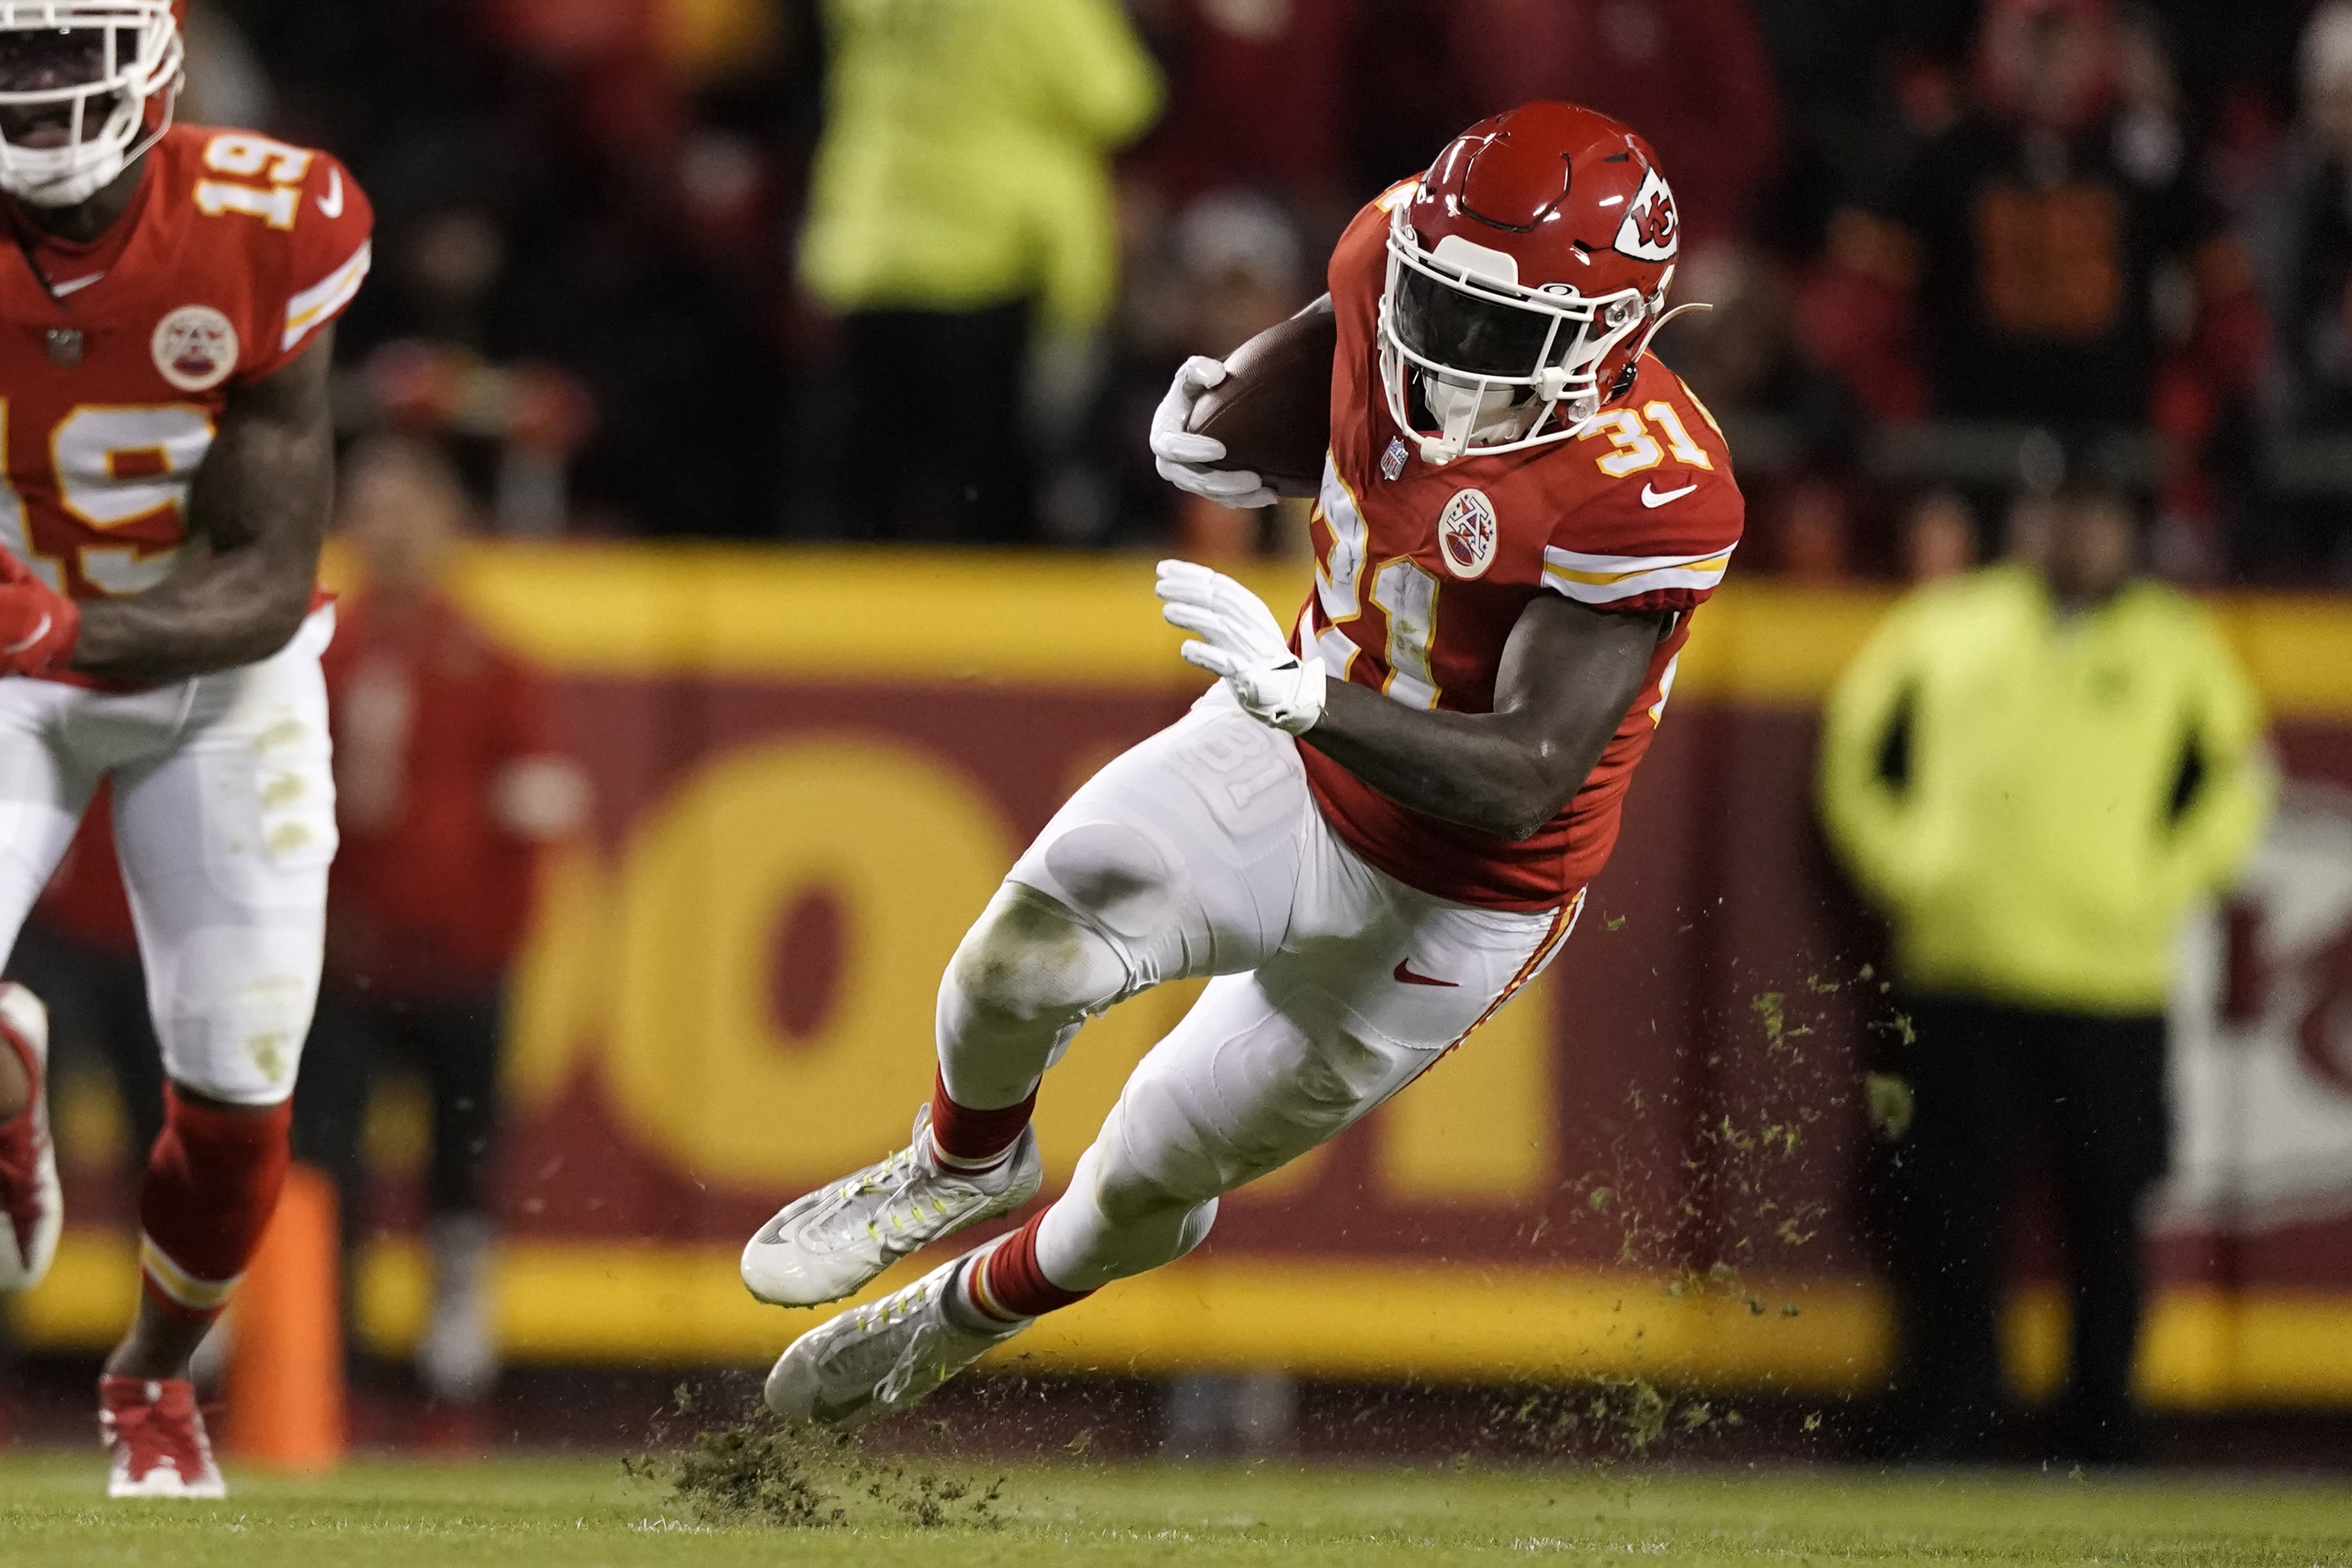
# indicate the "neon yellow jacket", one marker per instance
pixel 964 160
pixel 2034 803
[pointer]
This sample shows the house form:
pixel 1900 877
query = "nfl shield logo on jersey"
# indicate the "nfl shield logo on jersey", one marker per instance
pixel 1466 533
pixel 195 348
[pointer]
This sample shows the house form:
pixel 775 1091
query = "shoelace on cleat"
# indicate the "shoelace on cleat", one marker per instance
pixel 894 1182
pixel 151 1435
pixel 900 1379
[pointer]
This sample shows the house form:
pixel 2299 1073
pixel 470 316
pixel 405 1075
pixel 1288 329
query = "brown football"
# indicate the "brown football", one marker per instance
pixel 1273 410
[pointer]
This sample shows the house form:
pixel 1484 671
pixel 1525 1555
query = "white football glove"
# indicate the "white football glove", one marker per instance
pixel 1183 456
pixel 1244 643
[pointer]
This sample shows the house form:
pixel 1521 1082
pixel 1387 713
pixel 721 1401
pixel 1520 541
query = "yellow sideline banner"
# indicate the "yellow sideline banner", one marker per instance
pixel 813 765
pixel 1078 620
pixel 648 1304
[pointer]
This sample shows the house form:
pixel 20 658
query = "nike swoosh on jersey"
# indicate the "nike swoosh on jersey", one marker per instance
pixel 1651 498
pixel 1405 976
pixel 331 204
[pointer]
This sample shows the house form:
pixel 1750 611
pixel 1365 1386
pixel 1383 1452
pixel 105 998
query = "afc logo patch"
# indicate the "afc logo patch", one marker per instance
pixel 195 348
pixel 1651 229
pixel 1467 534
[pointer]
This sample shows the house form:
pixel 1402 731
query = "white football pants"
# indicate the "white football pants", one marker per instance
pixel 1201 852
pixel 225 820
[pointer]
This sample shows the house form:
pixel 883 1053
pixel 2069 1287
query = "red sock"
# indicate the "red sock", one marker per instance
pixel 1008 1285
pixel 971 1140
pixel 211 1184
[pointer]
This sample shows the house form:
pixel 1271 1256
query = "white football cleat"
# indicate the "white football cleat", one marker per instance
pixel 32 1205
pixel 833 1241
pixel 155 1442
pixel 880 1358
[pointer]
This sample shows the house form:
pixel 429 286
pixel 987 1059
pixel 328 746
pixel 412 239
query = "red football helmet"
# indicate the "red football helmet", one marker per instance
pixel 1523 273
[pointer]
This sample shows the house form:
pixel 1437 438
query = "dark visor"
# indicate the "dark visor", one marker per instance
pixel 49 59
pixel 1455 328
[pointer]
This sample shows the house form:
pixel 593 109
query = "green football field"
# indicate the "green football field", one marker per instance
pixel 589 1511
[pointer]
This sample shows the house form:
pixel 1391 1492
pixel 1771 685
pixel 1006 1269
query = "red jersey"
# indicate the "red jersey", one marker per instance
pixel 234 252
pixel 1423 572
pixel 430 894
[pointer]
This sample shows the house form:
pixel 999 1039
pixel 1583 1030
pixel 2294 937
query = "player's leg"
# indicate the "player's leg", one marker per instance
pixel 1180 857
pixel 1266 1067
pixel 458 1042
pixel 1971 1072
pixel 226 836
pixel 2114 1141
pixel 45 782
pixel 339 1062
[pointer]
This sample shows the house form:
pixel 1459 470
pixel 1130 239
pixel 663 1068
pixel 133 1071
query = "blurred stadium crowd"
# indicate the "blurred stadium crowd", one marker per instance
pixel 702 267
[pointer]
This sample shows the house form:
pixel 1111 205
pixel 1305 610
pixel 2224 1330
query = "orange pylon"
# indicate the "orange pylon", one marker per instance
pixel 285 1352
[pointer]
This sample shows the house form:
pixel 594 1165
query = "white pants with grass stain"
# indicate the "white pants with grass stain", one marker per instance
pixel 1202 852
pixel 225 822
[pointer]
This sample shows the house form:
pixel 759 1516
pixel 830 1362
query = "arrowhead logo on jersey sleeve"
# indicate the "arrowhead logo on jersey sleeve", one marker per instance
pixel 1652 230
pixel 195 348
pixel 1468 534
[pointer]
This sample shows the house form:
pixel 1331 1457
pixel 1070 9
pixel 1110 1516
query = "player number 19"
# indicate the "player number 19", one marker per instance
pixel 279 203
pixel 114 466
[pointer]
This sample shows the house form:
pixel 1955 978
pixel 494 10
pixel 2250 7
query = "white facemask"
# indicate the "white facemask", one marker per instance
pixel 110 119
pixel 1471 411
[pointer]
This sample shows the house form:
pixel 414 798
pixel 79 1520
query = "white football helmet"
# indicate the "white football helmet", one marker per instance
pixel 86 86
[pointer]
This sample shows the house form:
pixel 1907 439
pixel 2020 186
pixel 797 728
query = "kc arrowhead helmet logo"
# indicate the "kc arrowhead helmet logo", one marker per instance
pixel 1651 229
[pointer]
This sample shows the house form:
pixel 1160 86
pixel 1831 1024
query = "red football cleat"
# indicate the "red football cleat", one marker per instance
pixel 155 1442
pixel 32 1207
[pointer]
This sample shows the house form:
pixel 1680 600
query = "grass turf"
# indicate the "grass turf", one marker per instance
pixel 588 1512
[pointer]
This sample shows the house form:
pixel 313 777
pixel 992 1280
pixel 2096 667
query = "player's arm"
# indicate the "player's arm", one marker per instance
pixel 1567 675
pixel 257 512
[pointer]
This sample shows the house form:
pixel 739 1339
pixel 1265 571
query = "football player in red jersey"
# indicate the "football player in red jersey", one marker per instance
pixel 1371 832
pixel 165 474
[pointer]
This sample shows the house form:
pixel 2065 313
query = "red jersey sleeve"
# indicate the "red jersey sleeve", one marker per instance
pixel 1654 515
pixel 310 270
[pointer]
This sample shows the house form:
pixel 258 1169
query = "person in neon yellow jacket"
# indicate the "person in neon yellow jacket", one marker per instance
pixel 961 201
pixel 2035 772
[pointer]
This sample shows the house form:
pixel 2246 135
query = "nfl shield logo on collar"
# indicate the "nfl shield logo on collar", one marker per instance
pixel 1392 460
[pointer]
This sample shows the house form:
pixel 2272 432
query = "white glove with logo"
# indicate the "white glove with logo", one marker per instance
pixel 1243 642
pixel 1183 457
